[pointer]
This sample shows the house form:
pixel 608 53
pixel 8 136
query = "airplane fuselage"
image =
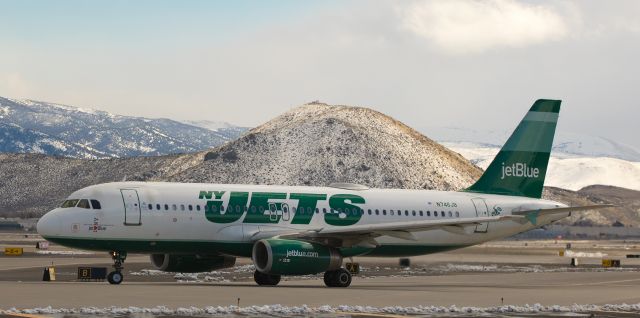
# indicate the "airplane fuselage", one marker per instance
pixel 227 219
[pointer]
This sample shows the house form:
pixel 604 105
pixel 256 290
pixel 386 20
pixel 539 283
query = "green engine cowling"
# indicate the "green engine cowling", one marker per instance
pixel 293 257
pixel 191 263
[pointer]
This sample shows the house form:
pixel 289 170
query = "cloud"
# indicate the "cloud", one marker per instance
pixel 470 26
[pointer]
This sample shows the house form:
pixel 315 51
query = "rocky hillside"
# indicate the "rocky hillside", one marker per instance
pixel 28 126
pixel 32 184
pixel 317 144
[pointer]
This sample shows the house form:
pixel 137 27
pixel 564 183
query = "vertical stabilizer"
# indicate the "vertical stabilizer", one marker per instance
pixel 521 165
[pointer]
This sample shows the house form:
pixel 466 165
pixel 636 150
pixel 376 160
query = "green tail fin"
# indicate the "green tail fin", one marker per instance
pixel 521 165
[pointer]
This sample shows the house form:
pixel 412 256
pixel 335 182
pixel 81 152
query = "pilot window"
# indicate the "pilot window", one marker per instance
pixel 96 204
pixel 84 203
pixel 70 203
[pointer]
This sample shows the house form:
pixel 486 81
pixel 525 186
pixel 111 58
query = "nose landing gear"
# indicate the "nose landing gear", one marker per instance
pixel 116 276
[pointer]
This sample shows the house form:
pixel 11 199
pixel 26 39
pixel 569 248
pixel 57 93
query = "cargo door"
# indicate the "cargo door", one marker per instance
pixel 482 212
pixel 132 213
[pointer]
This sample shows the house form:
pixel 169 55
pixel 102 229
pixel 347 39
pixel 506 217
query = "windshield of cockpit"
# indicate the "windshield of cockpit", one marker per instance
pixel 82 203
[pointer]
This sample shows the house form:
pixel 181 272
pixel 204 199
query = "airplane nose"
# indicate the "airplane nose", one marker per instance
pixel 48 225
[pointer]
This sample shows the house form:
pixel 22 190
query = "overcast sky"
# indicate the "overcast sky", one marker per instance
pixel 476 64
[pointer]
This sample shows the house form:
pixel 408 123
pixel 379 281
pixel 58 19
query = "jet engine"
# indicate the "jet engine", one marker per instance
pixel 193 263
pixel 293 257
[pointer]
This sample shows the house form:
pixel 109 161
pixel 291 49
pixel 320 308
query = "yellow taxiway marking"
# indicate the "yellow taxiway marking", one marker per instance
pixel 25 315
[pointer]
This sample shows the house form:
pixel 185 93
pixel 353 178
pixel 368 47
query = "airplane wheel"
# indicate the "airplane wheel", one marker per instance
pixel 337 278
pixel 115 278
pixel 329 278
pixel 263 279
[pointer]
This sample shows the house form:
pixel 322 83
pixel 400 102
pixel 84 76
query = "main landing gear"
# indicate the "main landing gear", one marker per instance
pixel 263 279
pixel 116 276
pixel 337 278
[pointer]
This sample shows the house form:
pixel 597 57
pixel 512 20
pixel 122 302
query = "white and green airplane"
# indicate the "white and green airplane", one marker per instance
pixel 291 230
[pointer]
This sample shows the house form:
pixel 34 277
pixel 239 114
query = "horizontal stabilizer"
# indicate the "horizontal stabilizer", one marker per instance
pixel 542 212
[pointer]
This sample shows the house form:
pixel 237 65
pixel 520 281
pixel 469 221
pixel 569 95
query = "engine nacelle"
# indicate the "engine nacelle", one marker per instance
pixel 292 257
pixel 191 263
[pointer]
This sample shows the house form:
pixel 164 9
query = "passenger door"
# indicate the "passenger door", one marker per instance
pixel 132 213
pixel 482 212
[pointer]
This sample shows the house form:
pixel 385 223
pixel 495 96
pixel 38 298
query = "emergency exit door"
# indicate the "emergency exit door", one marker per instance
pixel 132 213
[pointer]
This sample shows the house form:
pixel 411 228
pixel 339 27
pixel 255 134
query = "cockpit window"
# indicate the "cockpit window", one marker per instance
pixel 84 203
pixel 70 203
pixel 96 204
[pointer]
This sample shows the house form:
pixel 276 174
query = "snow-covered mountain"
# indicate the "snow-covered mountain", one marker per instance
pixel 28 126
pixel 567 172
pixel 565 144
pixel 318 144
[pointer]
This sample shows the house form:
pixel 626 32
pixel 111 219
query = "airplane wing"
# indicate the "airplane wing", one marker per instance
pixel 364 234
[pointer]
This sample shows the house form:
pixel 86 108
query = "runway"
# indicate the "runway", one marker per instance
pixel 494 275
pixel 477 290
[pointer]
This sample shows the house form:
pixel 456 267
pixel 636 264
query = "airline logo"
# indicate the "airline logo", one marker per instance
pixel 269 207
pixel 518 169
pixel 302 254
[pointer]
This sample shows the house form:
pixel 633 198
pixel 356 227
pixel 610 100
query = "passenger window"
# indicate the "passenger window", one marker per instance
pixel 428 213
pixel 158 207
pixel 285 209
pixel 450 214
pixel 457 214
pixel 214 208
pixel 174 207
pixel 96 204
pixel 384 212
pixel 198 207
pixel 413 213
pixel 317 210
pixel 70 203
pixel 391 212
pixel 84 203
pixel 324 210
pixel 421 213
pixel 190 207
pixel 150 206
pixel 293 209
pixel 182 207
pixel 166 207
pixel 406 212
pixel 442 213
pixel 238 209
pixel 369 211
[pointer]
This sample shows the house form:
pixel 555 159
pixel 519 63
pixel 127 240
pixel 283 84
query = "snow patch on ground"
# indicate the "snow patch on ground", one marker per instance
pixel 288 311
